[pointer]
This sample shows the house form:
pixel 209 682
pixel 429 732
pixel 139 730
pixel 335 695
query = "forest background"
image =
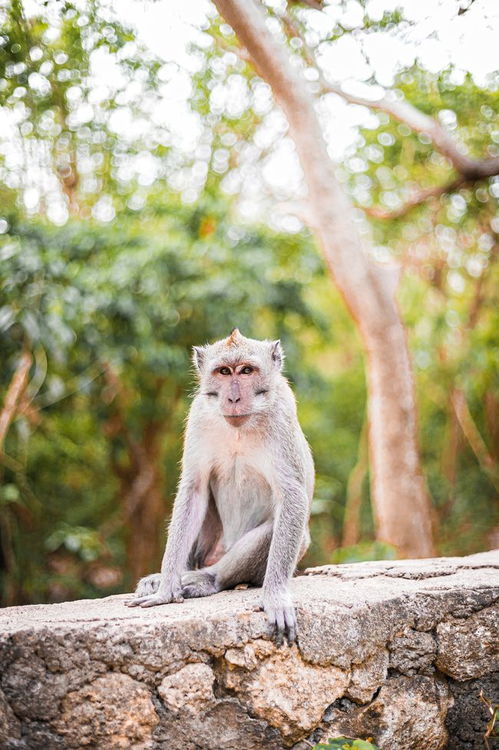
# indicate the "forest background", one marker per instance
pixel 153 201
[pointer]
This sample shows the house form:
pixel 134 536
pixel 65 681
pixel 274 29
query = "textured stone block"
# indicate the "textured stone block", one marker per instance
pixel 397 651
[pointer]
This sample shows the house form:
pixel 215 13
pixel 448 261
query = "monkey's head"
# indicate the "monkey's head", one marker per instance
pixel 238 376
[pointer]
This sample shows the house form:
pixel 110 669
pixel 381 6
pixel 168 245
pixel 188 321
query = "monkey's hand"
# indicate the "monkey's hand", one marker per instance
pixel 167 592
pixel 281 615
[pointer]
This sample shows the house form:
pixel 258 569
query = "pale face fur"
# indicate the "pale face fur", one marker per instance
pixel 238 377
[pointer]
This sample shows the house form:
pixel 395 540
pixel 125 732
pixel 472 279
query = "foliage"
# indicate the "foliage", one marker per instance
pixel 492 731
pixel 109 275
pixel 344 743
pixel 111 314
pixel 363 552
pixel 97 134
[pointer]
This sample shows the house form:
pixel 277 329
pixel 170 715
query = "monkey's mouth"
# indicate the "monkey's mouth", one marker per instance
pixel 236 419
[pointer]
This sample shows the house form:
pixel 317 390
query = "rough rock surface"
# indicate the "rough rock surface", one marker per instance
pixel 397 651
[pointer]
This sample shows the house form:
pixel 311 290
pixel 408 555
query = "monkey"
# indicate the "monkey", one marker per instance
pixel 243 502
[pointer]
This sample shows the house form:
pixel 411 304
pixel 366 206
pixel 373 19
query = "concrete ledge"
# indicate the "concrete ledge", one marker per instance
pixel 393 650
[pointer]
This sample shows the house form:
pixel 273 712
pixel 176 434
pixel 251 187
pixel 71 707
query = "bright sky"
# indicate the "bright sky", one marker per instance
pixel 439 37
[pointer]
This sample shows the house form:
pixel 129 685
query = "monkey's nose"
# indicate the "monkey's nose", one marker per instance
pixel 234 400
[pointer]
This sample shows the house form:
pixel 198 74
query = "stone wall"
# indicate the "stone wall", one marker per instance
pixel 397 651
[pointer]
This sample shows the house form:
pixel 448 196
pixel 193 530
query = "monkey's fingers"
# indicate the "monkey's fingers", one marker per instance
pixel 282 620
pixel 286 625
pixel 279 625
pixel 142 601
pixel 291 625
pixel 153 601
pixel 134 602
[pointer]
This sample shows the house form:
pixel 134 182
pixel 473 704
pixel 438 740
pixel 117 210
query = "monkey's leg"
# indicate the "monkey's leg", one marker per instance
pixel 189 510
pixel 245 562
pixel 205 546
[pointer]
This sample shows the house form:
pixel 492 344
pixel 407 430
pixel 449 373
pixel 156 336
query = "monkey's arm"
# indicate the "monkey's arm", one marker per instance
pixel 188 513
pixel 289 526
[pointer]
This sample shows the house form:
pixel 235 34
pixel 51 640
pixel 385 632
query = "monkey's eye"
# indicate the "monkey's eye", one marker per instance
pixel 247 370
pixel 224 371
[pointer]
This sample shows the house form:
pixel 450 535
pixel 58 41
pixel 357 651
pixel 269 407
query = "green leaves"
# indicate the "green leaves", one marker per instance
pixel 9 493
pixel 137 291
pixel 111 313
pixel 346 743
pixel 80 540
pixel 49 62
pixel 364 552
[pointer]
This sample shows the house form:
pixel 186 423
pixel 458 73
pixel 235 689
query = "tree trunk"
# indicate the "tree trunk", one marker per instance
pixel 13 398
pixel 140 494
pixel 144 507
pixel 14 395
pixel 136 462
pixel 402 506
pixel 351 517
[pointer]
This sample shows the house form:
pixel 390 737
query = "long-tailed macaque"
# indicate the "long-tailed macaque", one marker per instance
pixel 243 501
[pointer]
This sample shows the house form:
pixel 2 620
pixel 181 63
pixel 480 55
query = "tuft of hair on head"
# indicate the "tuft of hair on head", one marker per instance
pixel 234 339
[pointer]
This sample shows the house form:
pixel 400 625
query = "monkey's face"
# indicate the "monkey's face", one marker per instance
pixel 238 379
pixel 238 385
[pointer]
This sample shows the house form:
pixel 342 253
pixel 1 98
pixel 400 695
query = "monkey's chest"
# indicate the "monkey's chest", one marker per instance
pixel 243 498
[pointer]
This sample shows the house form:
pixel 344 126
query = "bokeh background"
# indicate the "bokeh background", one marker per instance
pixel 151 199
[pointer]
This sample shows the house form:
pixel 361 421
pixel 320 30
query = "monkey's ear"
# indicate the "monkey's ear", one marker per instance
pixel 277 353
pixel 198 357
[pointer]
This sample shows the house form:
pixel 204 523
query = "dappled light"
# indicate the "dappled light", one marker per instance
pixel 153 196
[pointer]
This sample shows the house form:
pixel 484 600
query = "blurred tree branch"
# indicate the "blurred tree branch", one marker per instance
pixel 139 470
pixel 419 197
pixel 15 391
pixel 469 170
pixel 402 111
pixel 314 4
pixel 473 436
pixel 13 398
pixel 464 9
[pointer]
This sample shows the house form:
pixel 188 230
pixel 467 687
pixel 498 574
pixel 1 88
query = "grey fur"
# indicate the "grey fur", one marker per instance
pixel 245 488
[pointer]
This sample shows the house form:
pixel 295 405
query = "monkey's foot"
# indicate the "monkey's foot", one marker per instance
pixel 148 585
pixel 197 583
pixel 154 600
pixel 171 592
pixel 282 618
